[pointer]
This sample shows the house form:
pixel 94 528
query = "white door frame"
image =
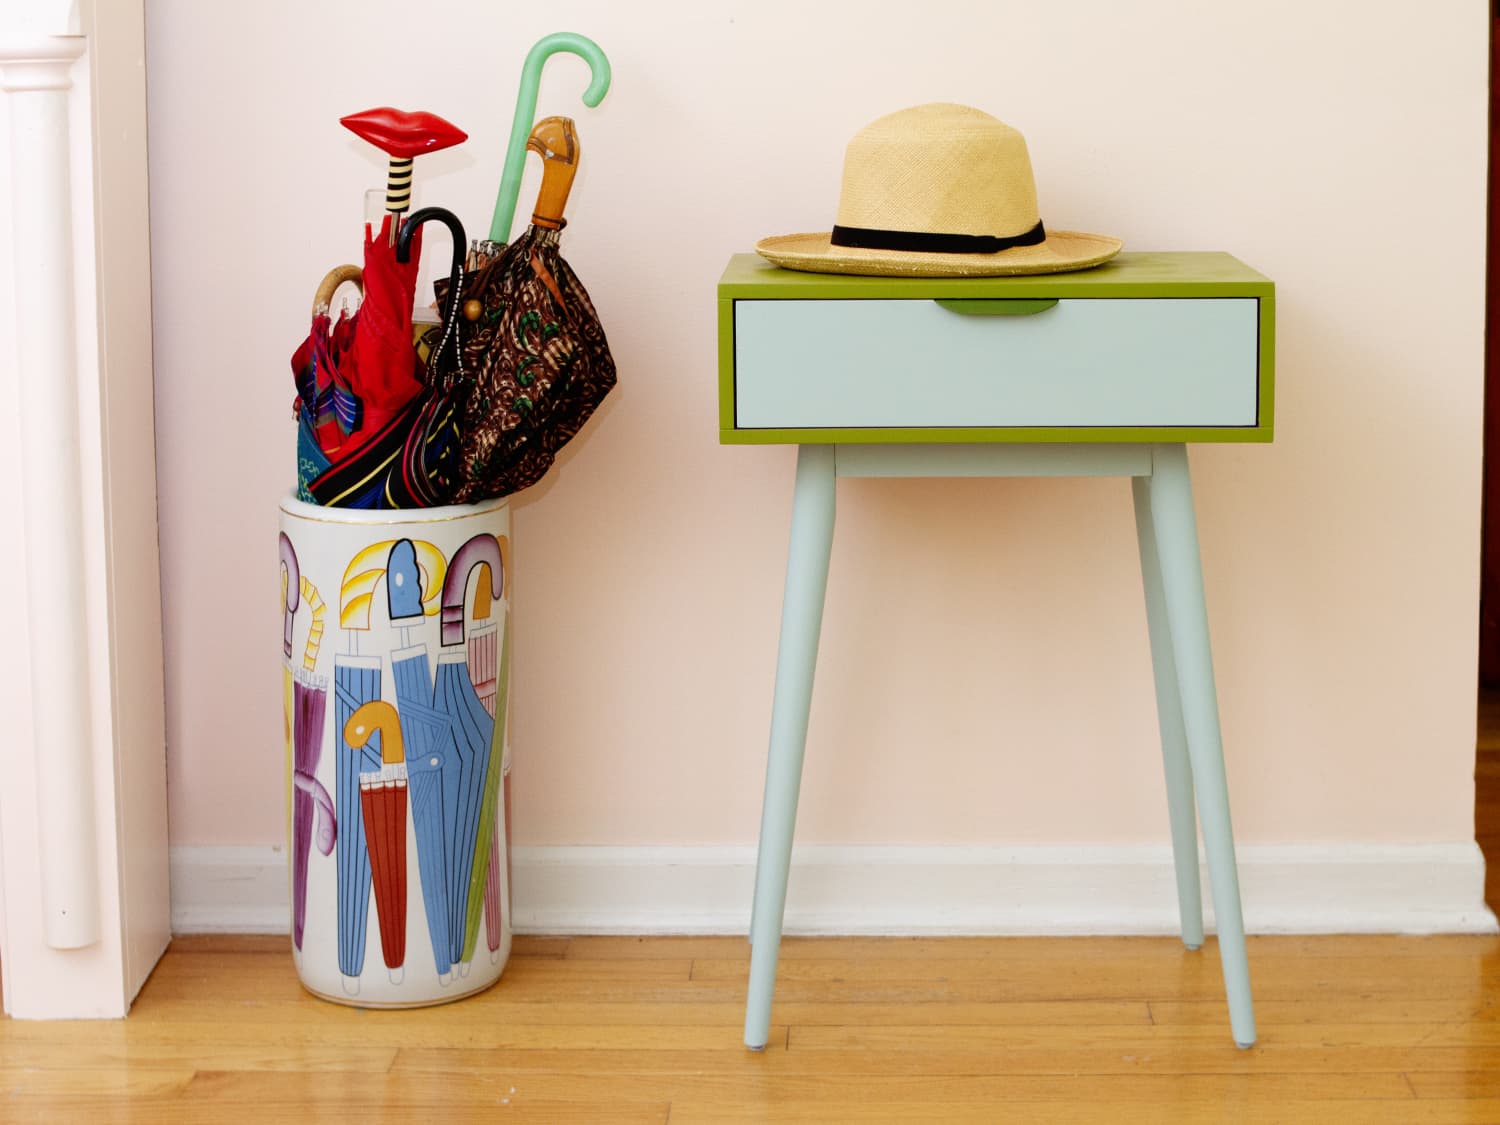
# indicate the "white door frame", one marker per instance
pixel 84 890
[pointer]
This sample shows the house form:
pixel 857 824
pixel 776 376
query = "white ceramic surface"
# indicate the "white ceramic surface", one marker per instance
pixel 395 676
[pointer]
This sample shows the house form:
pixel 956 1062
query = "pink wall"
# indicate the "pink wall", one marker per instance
pixel 984 675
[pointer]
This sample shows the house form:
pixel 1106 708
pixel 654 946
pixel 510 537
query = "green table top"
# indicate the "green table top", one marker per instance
pixel 1175 273
pixel 1137 274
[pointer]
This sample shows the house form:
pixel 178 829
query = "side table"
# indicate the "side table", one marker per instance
pixel 1102 372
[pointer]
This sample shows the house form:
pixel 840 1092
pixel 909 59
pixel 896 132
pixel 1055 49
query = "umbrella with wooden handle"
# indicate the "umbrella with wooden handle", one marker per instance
pixel 532 342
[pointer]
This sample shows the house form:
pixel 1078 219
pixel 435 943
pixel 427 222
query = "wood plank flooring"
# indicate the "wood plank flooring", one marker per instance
pixel 582 1030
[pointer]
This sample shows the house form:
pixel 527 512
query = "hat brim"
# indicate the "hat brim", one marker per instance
pixel 1063 250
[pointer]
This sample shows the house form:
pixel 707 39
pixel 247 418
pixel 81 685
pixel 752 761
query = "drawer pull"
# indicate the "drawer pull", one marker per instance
pixel 997 307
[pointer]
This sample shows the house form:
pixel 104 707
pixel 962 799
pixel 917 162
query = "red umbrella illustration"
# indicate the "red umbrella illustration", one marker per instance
pixel 382 798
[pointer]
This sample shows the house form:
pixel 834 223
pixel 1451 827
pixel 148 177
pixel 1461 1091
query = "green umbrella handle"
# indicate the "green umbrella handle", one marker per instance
pixel 520 127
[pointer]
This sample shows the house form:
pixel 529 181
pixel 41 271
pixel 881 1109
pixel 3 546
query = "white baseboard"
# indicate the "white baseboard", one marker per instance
pixel 1346 888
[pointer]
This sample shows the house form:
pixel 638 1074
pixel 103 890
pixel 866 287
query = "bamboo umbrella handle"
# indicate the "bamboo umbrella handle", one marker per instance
pixel 556 140
pixel 335 277
pixel 531 80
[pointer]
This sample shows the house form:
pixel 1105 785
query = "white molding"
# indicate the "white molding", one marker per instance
pixel 1347 888
pixel 230 890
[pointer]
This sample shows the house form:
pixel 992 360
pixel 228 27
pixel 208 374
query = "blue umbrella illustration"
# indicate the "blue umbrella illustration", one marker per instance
pixel 356 681
pixel 432 774
pixel 432 766
pixel 472 728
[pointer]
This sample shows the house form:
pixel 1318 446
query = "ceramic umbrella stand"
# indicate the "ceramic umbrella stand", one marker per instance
pixel 396 660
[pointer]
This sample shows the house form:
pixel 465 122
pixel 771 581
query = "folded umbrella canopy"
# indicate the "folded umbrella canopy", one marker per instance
pixel 531 341
pixel 320 369
pixel 410 460
pixel 385 373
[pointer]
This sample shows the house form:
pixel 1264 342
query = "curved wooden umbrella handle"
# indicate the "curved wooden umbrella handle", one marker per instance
pixel 335 277
pixel 531 79
pixel 556 140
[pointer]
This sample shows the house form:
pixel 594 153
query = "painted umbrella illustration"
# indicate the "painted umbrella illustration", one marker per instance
pixel 432 760
pixel 356 682
pixel 309 799
pixel 485 876
pixel 484 673
pixel 474 729
pixel 382 794
pixel 533 341
pixel 448 734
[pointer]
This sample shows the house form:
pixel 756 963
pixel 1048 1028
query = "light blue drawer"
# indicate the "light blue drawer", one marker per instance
pixel 1085 362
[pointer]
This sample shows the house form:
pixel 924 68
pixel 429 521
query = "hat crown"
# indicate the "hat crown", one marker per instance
pixel 939 169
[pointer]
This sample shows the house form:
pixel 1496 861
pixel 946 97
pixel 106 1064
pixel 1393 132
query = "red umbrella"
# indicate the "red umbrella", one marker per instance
pixel 383 370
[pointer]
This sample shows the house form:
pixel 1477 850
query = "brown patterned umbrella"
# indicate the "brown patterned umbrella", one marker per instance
pixel 532 342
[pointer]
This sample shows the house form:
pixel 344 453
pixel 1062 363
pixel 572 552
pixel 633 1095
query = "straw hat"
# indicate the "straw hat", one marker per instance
pixel 938 191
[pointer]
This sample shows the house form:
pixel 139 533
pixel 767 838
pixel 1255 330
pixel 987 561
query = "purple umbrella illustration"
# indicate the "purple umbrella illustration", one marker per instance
pixel 309 706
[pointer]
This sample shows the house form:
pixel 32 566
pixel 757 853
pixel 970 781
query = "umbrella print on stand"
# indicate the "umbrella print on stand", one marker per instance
pixel 474 732
pixel 382 795
pixel 291 598
pixel 489 828
pixel 356 681
pixel 432 765
pixel 485 661
pixel 448 734
pixel 309 798
pixel 532 340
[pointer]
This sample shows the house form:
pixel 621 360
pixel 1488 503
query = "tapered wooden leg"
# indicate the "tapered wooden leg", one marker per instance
pixel 801 622
pixel 1176 534
pixel 1174 750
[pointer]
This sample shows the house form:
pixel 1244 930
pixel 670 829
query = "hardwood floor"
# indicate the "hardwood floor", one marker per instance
pixel 623 1030
pixel 1118 1030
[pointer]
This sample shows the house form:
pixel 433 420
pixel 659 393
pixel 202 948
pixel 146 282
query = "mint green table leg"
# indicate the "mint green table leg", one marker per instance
pixel 801 621
pixel 1172 519
pixel 1174 750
